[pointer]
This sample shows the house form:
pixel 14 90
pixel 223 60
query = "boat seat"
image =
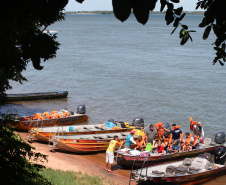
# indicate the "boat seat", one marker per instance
pixel 157 172
pixel 199 163
pixel 96 136
pixel 84 137
pixel 110 135
pixel 103 137
pixel 207 141
pixel 210 166
pixel 124 134
pixel 171 169
pixel 181 170
pixel 186 163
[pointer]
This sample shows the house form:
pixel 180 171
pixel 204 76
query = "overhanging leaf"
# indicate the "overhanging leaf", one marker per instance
pixel 175 1
pixel 80 1
pixel 163 4
pixel 141 11
pixel 169 16
pixel 206 32
pixel 151 4
pixel 182 16
pixel 178 11
pixel 122 9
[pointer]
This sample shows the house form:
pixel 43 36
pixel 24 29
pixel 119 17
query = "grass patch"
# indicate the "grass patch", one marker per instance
pixel 58 177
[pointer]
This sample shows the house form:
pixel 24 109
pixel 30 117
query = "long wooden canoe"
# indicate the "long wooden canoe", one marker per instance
pixel 176 173
pixel 47 119
pixel 87 143
pixel 127 160
pixel 43 134
pixel 36 96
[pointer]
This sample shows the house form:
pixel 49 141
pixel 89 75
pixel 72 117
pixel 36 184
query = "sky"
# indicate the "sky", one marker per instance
pixel 92 5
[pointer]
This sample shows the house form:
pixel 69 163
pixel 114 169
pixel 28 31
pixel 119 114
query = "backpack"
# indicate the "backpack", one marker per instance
pixel 148 147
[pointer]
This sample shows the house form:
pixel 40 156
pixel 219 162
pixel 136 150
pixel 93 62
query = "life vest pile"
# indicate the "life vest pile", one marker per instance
pixel 192 123
pixel 160 130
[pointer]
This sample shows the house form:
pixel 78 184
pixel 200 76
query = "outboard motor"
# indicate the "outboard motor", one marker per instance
pixel 81 109
pixel 167 126
pixel 220 155
pixel 138 122
pixel 220 137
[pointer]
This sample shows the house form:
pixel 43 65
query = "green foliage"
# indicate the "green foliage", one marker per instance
pixel 22 38
pixel 15 157
pixel 58 177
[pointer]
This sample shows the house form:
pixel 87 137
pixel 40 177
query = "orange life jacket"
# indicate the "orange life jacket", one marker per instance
pixel 192 123
pixel 160 130
pixel 176 127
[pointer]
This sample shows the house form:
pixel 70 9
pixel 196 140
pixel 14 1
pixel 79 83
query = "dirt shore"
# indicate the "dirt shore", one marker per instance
pixel 92 164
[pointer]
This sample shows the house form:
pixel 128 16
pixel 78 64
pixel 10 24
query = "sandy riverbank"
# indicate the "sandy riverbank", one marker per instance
pixel 93 164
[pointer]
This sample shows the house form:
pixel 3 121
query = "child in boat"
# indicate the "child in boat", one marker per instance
pixel 159 147
pixel 141 144
pixel 110 153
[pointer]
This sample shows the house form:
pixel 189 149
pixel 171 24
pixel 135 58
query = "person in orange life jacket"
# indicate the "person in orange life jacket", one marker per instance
pixel 195 143
pixel 186 146
pixel 141 143
pixel 176 133
pixel 110 153
pixel 130 139
pixel 199 128
pixel 175 148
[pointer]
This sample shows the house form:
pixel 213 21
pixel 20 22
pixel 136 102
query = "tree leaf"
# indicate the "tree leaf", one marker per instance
pixel 163 4
pixel 206 32
pixel 170 6
pixel 151 4
pixel 122 9
pixel 169 16
pixel 184 39
pixel 141 11
pixel 178 11
pixel 182 33
pixel 175 1
pixel 80 1
pixel 185 27
pixel 182 16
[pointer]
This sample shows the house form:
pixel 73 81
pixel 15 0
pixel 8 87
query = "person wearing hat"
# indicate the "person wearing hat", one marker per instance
pixel 130 139
pixel 199 128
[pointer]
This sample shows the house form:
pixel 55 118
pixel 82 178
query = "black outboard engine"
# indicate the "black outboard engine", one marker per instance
pixel 81 109
pixel 220 155
pixel 138 122
pixel 220 137
pixel 111 120
pixel 167 126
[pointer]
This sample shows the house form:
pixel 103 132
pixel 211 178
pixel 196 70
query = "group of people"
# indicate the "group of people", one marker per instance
pixel 168 141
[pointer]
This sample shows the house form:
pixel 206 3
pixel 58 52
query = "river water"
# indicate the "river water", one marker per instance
pixel 127 70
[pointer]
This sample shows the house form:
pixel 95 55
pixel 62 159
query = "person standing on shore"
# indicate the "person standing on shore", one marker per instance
pixel 110 153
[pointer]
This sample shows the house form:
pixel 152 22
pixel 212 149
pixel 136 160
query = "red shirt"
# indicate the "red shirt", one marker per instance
pixel 160 148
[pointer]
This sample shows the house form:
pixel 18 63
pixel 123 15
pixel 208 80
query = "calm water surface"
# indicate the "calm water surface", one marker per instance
pixel 125 70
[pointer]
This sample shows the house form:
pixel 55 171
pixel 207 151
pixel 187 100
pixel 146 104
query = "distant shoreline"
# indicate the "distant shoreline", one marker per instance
pixel 111 12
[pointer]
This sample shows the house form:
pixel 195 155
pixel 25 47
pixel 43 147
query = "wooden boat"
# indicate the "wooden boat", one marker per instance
pixel 127 161
pixel 86 143
pixel 188 171
pixel 44 133
pixel 36 96
pixel 63 117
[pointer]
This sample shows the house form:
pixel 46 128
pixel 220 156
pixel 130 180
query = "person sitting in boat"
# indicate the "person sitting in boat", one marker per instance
pixel 186 145
pixel 141 144
pixel 195 142
pixel 199 128
pixel 159 147
pixel 175 148
pixel 130 139
pixel 110 153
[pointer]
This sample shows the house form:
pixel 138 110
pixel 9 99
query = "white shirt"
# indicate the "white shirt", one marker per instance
pixel 132 140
